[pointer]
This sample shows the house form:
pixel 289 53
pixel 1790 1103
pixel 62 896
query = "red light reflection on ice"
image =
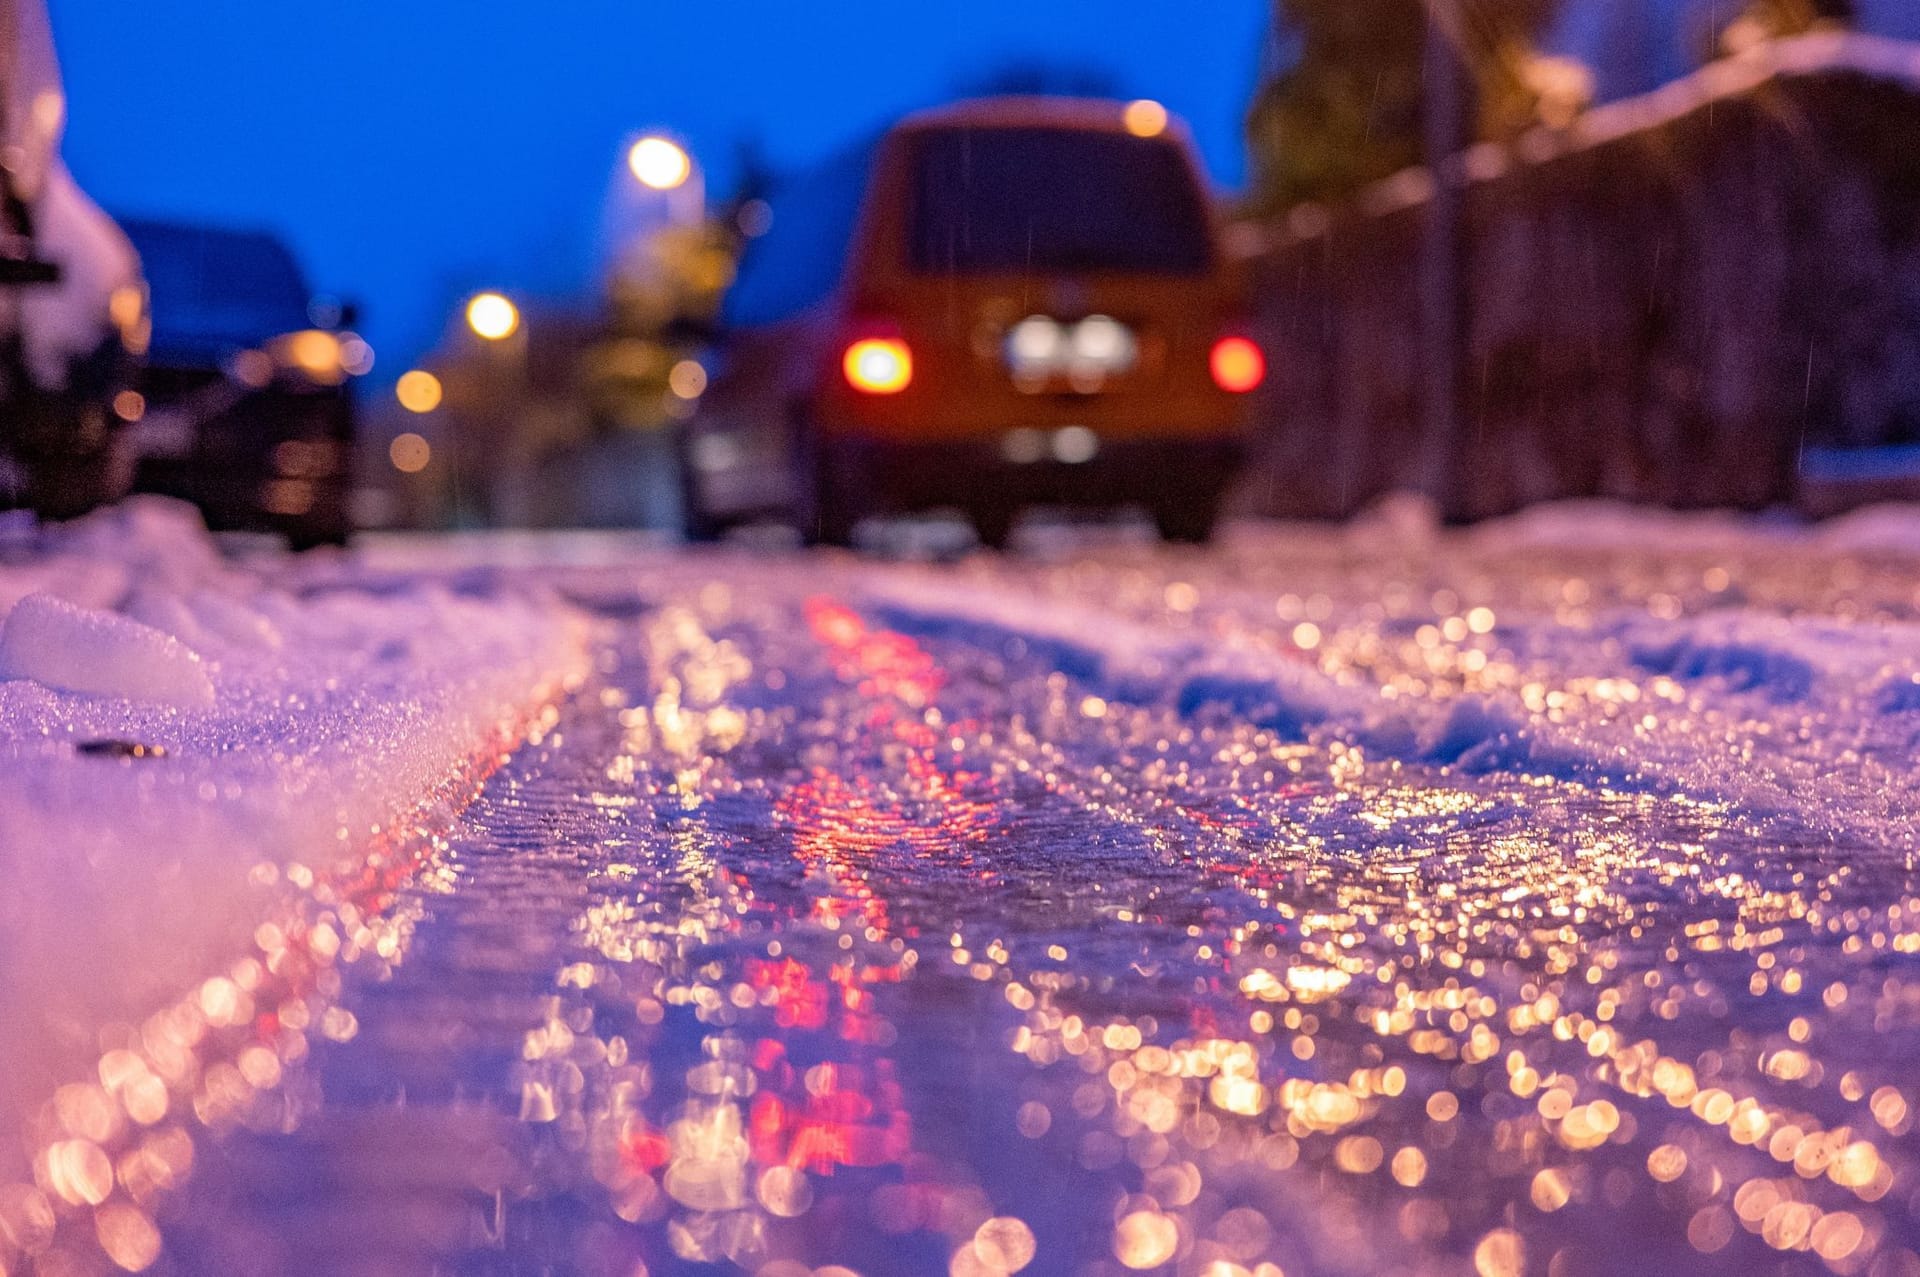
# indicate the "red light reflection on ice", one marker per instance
pixel 840 1111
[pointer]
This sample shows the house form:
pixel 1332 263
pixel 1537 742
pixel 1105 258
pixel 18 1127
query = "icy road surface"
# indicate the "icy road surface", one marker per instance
pixel 1537 900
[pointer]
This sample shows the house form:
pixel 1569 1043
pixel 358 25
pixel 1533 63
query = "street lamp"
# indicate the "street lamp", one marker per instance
pixel 657 182
pixel 1442 302
pixel 659 164
pixel 489 445
pixel 492 316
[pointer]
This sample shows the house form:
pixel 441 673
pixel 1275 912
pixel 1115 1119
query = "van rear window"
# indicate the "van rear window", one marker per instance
pixel 236 287
pixel 1015 201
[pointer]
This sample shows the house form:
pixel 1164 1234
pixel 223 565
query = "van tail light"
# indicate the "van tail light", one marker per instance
pixel 1237 365
pixel 878 365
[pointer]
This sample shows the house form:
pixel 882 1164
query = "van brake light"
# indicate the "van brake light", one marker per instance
pixel 878 365
pixel 1237 365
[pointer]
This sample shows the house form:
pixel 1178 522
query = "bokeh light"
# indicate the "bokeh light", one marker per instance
pixel 1145 118
pixel 409 453
pixel 688 380
pixel 418 391
pixel 878 365
pixel 316 353
pixel 659 164
pixel 492 316
pixel 1237 365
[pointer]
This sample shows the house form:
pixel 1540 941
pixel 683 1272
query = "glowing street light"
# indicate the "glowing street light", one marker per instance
pixel 659 164
pixel 418 391
pixel 492 316
pixel 657 183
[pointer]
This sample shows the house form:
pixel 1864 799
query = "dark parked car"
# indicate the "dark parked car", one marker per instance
pixel 73 314
pixel 249 400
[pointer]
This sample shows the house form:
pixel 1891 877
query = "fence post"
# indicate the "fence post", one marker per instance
pixel 1441 302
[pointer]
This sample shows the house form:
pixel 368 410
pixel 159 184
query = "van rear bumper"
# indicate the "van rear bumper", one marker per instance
pixel 915 476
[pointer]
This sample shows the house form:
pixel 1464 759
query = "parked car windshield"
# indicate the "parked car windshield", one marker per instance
pixel 219 286
pixel 1052 200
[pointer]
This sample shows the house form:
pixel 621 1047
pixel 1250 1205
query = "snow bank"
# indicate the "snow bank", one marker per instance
pixel 1730 652
pixel 182 736
pixel 1281 692
pixel 1603 526
pixel 1874 529
pixel 1661 683
pixel 1784 659
pixel 76 649
pixel 1750 664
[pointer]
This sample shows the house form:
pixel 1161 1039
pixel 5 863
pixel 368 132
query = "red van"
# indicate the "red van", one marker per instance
pixel 1033 310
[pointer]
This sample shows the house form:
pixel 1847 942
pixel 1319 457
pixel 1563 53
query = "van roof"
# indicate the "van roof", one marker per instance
pixel 1101 115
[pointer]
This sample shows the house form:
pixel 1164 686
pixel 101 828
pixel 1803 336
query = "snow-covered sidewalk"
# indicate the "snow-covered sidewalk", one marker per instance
pixel 1772 664
pixel 1433 754
pixel 193 747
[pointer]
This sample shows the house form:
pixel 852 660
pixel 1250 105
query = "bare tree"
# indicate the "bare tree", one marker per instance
pixel 1349 99
pixel 1774 19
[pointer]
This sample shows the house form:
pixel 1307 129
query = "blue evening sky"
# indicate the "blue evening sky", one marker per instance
pixel 415 150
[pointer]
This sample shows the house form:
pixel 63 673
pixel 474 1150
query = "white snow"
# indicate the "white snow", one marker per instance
pixel 1877 57
pixel 96 653
pixel 239 719
pixel 1598 524
pixel 1754 690
pixel 1283 692
pixel 348 698
pixel 1876 529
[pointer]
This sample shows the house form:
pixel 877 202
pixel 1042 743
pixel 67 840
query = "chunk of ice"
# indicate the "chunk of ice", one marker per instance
pixel 76 649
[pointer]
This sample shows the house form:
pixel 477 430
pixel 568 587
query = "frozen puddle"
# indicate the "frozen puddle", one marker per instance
pixel 1340 901
pixel 920 955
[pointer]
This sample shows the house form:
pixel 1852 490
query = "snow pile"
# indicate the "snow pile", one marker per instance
pixel 76 649
pixel 1281 692
pixel 1783 657
pixel 1602 525
pixel 1764 675
pixel 1839 666
pixel 1728 663
pixel 1742 664
pixel 1874 529
pixel 178 732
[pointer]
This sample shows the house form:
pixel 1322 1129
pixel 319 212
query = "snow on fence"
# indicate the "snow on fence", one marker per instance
pixel 1678 301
